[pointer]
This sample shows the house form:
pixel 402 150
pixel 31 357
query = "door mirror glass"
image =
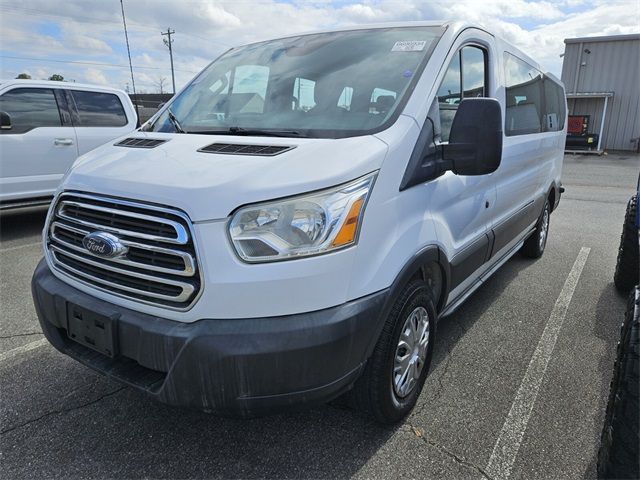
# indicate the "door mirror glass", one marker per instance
pixel 475 141
pixel 5 121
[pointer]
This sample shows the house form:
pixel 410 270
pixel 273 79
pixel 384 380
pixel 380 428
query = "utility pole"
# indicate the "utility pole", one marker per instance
pixel 168 43
pixel 133 82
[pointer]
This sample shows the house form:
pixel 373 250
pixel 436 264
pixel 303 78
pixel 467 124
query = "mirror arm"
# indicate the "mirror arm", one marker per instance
pixel 465 152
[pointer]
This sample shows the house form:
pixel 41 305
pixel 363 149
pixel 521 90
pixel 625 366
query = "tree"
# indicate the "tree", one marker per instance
pixel 56 77
pixel 24 76
pixel 160 83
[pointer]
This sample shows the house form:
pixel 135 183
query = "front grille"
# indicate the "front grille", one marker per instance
pixel 140 142
pixel 159 266
pixel 243 149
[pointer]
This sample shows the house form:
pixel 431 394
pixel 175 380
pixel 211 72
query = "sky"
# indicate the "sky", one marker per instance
pixel 83 40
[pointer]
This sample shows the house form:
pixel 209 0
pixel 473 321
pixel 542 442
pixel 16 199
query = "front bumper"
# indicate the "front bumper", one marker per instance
pixel 238 367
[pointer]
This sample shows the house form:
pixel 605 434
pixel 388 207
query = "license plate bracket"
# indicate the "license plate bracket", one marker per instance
pixel 91 329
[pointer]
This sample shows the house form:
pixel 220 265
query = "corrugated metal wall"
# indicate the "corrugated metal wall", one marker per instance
pixel 612 66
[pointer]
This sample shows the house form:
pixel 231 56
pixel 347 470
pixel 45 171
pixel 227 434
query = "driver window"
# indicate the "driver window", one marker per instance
pixel 465 78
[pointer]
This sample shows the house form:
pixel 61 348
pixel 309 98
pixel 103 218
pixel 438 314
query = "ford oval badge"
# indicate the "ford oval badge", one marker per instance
pixel 103 244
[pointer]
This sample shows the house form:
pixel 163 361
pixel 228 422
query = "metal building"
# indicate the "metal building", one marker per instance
pixel 602 80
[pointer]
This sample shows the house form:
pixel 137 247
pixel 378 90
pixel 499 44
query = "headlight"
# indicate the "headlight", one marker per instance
pixel 301 226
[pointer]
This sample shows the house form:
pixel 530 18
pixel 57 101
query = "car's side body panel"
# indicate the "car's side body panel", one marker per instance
pixel 34 161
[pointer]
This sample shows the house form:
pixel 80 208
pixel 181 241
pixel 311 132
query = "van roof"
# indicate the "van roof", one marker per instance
pixel 58 84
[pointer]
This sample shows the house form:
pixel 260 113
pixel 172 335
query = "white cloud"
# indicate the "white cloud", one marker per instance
pixel 93 75
pixel 87 44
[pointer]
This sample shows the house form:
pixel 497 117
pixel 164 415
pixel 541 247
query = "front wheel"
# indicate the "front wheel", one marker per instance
pixel 534 245
pixel 394 375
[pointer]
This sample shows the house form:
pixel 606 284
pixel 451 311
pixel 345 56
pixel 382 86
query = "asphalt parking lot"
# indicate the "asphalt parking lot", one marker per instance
pixel 487 400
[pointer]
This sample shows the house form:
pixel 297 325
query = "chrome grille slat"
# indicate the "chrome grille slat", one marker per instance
pixel 181 233
pixel 186 287
pixel 115 285
pixel 188 270
pixel 157 269
pixel 122 261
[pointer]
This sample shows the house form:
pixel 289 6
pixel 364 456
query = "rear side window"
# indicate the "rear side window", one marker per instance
pixel 555 106
pixel 466 77
pixel 97 109
pixel 30 108
pixel 535 103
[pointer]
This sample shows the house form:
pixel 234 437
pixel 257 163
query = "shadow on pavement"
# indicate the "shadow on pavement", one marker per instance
pixel 609 308
pixel 16 224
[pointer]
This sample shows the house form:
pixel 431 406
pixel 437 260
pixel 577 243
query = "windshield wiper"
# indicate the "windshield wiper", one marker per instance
pixel 253 132
pixel 174 121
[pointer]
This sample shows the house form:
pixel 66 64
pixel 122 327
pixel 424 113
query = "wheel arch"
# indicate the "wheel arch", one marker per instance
pixel 431 265
pixel 553 195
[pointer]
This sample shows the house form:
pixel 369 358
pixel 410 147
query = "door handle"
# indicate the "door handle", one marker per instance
pixel 63 141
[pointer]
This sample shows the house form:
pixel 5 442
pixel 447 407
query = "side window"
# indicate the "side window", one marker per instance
pixel 249 89
pixel 30 108
pixel 382 100
pixel 524 97
pixel 97 109
pixel 346 96
pixel 466 77
pixel 303 94
pixel 473 72
pixel 555 108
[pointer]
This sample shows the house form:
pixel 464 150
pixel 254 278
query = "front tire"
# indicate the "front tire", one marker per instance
pixel 534 246
pixel 394 375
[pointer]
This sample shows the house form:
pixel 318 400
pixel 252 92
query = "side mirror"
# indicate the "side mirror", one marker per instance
pixel 475 140
pixel 161 104
pixel 5 121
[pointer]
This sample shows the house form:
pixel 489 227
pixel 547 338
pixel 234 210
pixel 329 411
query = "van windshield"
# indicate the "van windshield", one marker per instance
pixel 327 85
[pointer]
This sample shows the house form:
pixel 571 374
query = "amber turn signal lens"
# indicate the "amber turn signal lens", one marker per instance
pixel 347 233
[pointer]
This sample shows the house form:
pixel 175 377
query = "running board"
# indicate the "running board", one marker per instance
pixel 453 306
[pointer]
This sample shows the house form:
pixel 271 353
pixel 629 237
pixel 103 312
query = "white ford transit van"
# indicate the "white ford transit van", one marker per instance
pixel 291 226
pixel 44 127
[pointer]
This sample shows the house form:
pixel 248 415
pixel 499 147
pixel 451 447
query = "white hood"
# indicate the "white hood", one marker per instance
pixel 209 186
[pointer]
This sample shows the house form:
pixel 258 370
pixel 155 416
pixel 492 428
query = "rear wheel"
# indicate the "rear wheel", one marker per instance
pixel 394 375
pixel 534 246
pixel 628 264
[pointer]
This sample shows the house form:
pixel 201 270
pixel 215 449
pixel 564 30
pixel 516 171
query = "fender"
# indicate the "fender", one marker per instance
pixel 428 254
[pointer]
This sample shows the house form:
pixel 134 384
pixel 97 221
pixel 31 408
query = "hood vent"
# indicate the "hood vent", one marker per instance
pixel 140 142
pixel 240 149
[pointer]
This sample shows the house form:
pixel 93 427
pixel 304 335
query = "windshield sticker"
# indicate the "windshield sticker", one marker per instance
pixel 409 46
pixel 407 73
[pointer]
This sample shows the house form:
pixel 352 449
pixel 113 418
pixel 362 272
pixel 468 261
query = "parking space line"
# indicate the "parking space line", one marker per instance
pixel 23 349
pixel 508 443
pixel 18 247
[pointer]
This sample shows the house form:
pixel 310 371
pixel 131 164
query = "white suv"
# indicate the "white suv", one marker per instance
pixel 295 221
pixel 45 126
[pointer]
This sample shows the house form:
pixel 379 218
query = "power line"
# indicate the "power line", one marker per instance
pixel 89 63
pixel 168 43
